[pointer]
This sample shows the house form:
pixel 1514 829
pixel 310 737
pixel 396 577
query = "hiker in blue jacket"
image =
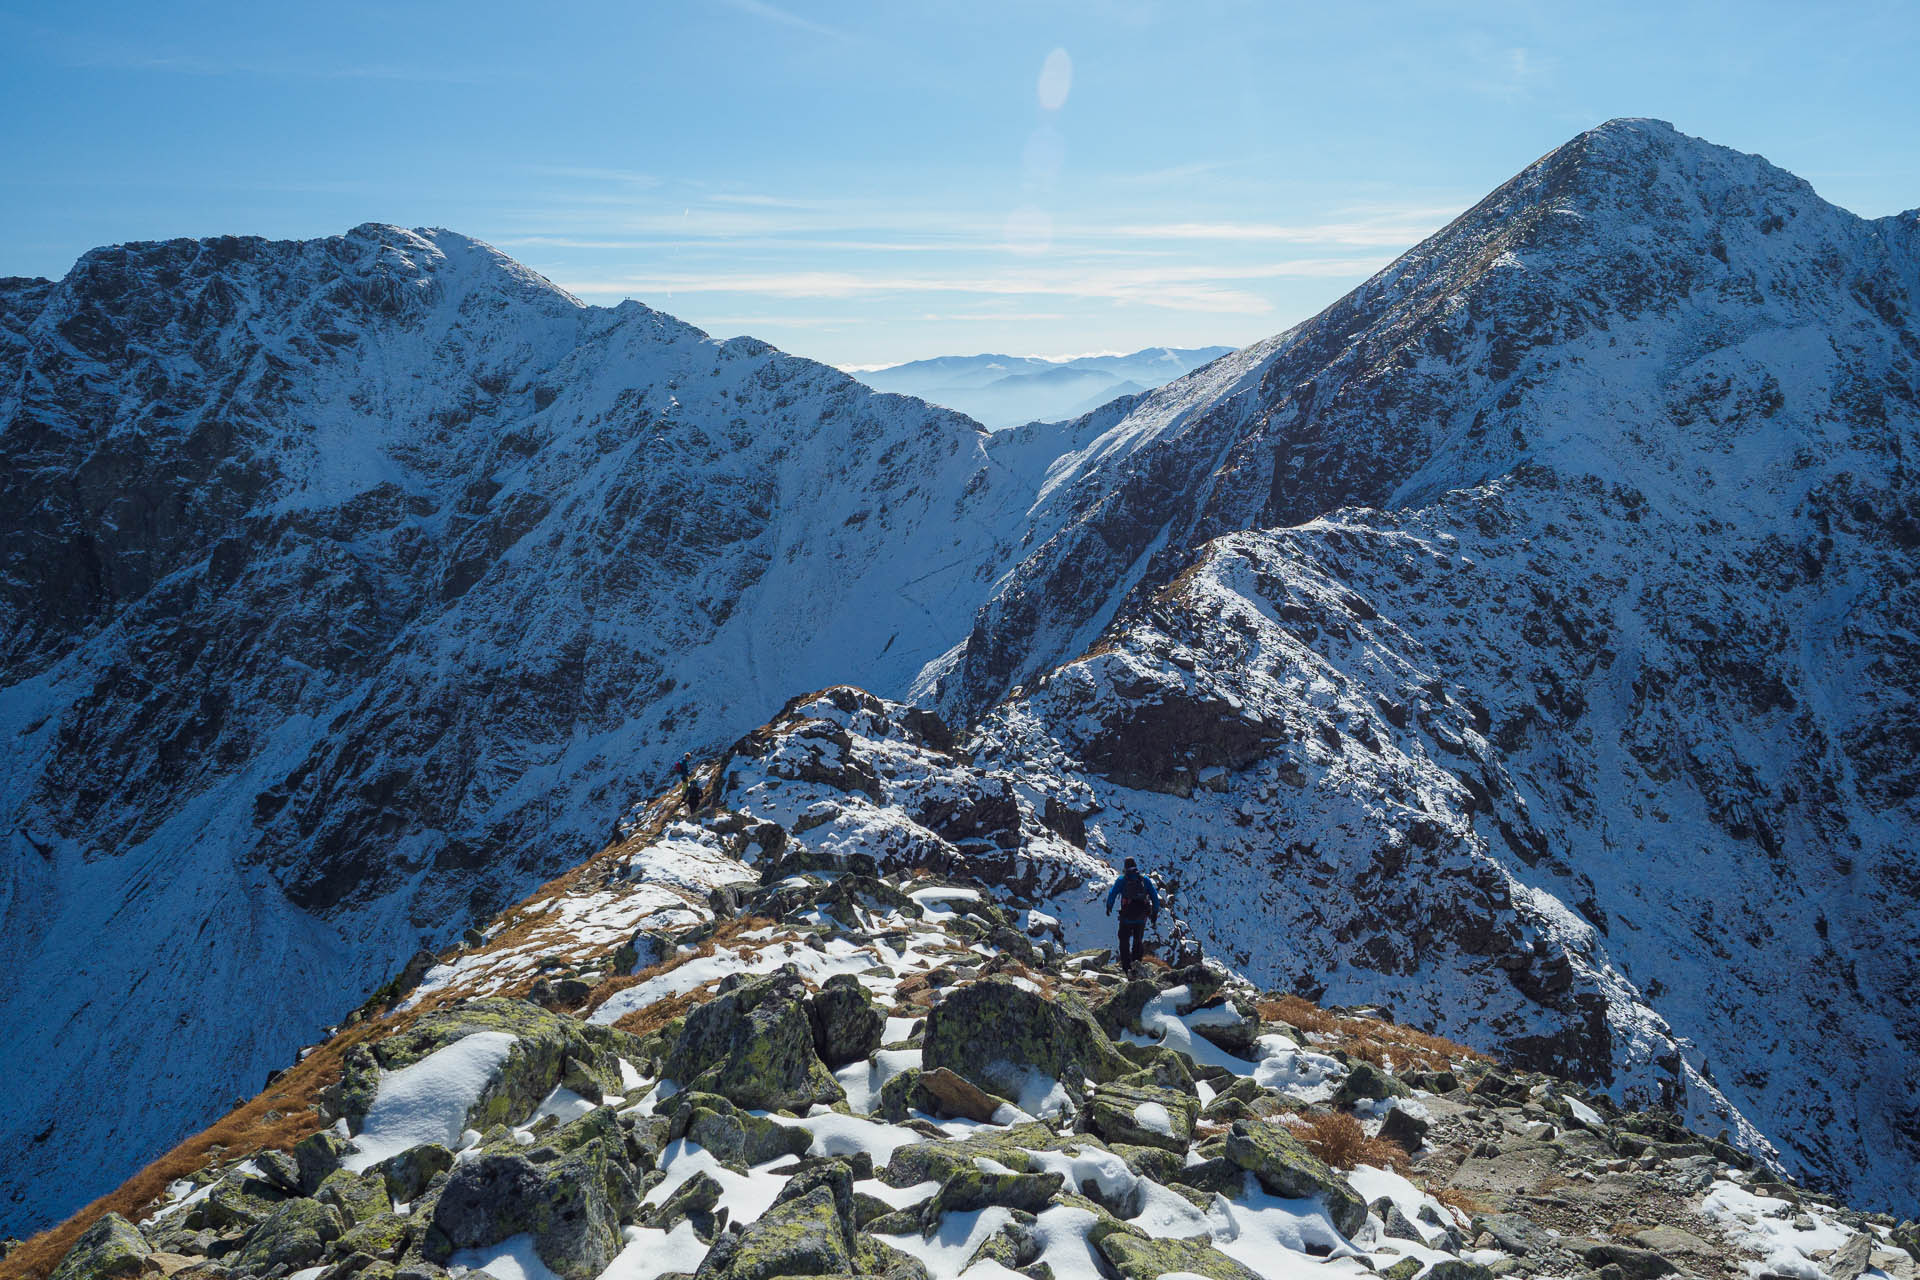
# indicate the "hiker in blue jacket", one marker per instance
pixel 1139 903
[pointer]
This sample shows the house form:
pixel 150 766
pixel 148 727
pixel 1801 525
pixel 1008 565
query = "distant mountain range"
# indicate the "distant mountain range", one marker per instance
pixel 1006 391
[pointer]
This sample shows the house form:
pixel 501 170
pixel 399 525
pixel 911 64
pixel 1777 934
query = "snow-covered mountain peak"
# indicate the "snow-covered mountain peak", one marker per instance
pixel 1542 608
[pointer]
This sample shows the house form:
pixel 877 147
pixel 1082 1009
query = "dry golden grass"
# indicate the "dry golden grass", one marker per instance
pixel 727 931
pixel 1459 1201
pixel 1387 1045
pixel 644 1022
pixel 1339 1139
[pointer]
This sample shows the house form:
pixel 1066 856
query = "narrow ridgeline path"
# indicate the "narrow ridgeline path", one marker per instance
pixel 712 1052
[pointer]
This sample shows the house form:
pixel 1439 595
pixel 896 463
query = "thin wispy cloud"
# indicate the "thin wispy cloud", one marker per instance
pixel 773 13
pixel 1169 288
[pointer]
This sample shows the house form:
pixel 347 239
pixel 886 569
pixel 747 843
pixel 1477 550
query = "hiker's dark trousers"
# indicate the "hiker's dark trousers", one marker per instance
pixel 1131 932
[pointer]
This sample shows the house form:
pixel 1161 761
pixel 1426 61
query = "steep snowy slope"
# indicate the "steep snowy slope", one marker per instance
pixel 1617 465
pixel 348 586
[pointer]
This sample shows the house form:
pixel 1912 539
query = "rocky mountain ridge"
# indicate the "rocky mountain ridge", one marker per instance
pixel 719 1050
pixel 1524 643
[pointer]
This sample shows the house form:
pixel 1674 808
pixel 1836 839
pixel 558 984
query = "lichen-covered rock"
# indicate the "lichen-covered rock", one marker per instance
pixel 899 1095
pixel 297 1234
pixel 571 1194
pixel 1151 1162
pixel 237 1200
pixel 803 1236
pixel 1137 1259
pixel 316 1156
pixel 408 1173
pixel 1366 1081
pixel 998 1032
pixel 736 1138
pixel 112 1247
pixel 358 1197
pixel 846 1026
pixel 1286 1168
pixel 385 1237
pixel 694 1200
pixel 754 1046
pixel 1143 1115
pixel 970 1188
pixel 548 1049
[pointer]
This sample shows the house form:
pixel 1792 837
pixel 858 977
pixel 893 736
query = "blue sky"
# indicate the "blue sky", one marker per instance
pixel 873 182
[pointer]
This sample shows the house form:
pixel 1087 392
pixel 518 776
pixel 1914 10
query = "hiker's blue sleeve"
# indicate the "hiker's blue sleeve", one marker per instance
pixel 1111 894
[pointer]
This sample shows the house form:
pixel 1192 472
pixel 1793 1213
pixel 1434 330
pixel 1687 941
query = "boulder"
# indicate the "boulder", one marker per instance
pixel 1143 1115
pixel 571 1195
pixel 754 1046
pixel 1286 1168
pixel 358 1197
pixel 318 1155
pixel 112 1247
pixel 736 1138
pixel 694 1200
pixel 846 1026
pixel 1395 1224
pixel 944 1094
pixel 1366 1081
pixel 1137 1259
pixel 998 1033
pixel 548 1049
pixel 970 1188
pixel 385 1237
pixel 408 1173
pixel 1515 1233
pixel 297 1234
pixel 1636 1264
pixel 1456 1269
pixel 801 1236
pixel 1405 1129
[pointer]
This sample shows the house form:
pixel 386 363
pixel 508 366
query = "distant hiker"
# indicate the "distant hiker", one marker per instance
pixel 1139 903
pixel 690 789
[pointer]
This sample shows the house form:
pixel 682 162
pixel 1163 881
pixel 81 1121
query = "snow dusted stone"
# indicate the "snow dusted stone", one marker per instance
pixel 572 1194
pixel 1143 1115
pixel 736 1138
pixel 547 1050
pixel 110 1249
pixel 846 1025
pixel 1137 1259
pixel 1286 1168
pixel 804 1236
pixel 998 1033
pixel 754 1045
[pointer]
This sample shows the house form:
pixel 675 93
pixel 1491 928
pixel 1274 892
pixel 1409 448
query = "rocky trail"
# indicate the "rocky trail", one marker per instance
pixel 718 1049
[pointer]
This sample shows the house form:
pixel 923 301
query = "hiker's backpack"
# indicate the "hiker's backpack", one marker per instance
pixel 1134 898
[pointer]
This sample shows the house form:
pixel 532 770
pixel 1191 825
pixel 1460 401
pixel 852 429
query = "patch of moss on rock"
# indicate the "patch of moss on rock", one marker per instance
pixel 1137 1259
pixel 297 1234
pixel 111 1248
pixel 996 1032
pixel 754 1046
pixel 1132 1114
pixel 1286 1168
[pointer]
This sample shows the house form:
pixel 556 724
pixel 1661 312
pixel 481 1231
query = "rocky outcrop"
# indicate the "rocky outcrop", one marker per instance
pixel 754 1045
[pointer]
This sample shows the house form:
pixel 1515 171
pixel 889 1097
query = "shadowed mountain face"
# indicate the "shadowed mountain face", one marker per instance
pixel 1525 642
